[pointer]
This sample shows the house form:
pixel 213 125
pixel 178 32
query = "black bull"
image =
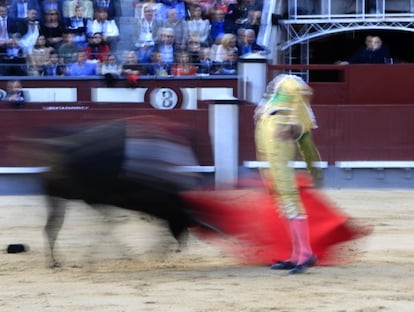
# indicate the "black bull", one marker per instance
pixel 129 164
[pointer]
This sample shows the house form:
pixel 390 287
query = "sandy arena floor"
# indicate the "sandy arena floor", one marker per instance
pixel 118 265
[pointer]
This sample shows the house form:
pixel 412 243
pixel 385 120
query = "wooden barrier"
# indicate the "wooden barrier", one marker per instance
pixel 359 119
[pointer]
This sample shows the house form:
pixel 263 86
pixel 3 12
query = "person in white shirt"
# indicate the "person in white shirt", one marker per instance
pixel 69 7
pixel 4 26
pixel 179 27
pixel 29 28
pixel 108 28
pixel 146 32
pixel 228 43
pixel 111 69
pixel 196 24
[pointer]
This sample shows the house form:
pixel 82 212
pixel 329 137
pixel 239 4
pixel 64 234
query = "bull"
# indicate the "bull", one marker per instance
pixel 132 164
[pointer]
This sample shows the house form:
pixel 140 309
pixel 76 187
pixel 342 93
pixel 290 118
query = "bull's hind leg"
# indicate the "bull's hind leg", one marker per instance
pixel 55 216
pixel 180 232
pixel 179 222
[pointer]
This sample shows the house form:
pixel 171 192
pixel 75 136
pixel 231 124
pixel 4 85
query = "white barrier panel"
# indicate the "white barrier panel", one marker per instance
pixel 22 170
pixel 124 95
pixel 224 130
pixel 253 71
pixel 51 94
pixel 33 170
pixel 215 94
pixel 189 98
pixel 374 164
pixel 255 164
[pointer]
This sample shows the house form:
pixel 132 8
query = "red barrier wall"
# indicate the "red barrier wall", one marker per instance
pixel 351 132
pixel 368 114
pixel 26 122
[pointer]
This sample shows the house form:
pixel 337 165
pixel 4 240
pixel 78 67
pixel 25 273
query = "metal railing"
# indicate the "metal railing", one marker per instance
pixel 349 9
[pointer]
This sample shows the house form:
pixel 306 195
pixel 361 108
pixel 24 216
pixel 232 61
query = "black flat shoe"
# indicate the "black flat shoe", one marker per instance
pixel 300 268
pixel 283 265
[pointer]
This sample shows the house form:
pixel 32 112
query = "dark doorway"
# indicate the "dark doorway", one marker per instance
pixel 329 49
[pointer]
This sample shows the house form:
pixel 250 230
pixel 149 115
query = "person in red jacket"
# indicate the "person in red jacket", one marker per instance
pixel 97 49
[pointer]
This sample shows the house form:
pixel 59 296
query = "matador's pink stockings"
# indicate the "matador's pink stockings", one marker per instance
pixel 301 248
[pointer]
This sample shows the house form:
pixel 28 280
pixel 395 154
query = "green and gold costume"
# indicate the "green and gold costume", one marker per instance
pixel 284 121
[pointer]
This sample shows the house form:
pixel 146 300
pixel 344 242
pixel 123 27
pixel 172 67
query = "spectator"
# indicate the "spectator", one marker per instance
pixel 19 9
pixel 360 53
pixel 381 53
pixel 13 57
pixel 97 49
pixel 254 15
pixel 68 49
pixel 166 45
pixel 167 5
pixel 29 28
pixel 52 28
pixel 15 94
pixel 139 9
pixel 220 25
pixel 205 63
pixel 146 33
pixel 7 26
pixel 108 28
pixel 110 69
pixel 110 6
pixel 249 44
pixel 214 47
pixel 69 8
pixel 183 66
pixel 229 65
pixel 48 5
pixel 82 67
pixel 156 67
pixel 240 36
pixel 245 14
pixel 54 67
pixel 222 4
pixel 194 46
pixel 197 24
pixel 179 27
pixel 39 56
pixel 77 25
pixel 374 52
pixel 208 7
pixel 131 70
pixel 228 43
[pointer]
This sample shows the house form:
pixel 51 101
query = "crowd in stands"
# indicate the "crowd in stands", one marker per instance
pixel 171 37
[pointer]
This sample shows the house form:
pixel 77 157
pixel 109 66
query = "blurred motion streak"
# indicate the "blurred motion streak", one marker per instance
pixel 134 163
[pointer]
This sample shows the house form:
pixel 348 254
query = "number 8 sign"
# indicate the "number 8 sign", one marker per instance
pixel 164 98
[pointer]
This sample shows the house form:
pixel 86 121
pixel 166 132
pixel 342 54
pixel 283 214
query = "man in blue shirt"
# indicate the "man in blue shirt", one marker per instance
pixel 82 67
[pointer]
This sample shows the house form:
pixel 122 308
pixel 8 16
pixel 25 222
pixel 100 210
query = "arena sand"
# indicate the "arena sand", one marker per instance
pixel 128 262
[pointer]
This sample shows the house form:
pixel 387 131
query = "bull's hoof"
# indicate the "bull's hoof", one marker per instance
pixel 55 265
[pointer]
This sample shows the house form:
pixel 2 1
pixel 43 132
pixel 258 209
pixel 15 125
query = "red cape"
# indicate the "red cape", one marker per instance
pixel 251 228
